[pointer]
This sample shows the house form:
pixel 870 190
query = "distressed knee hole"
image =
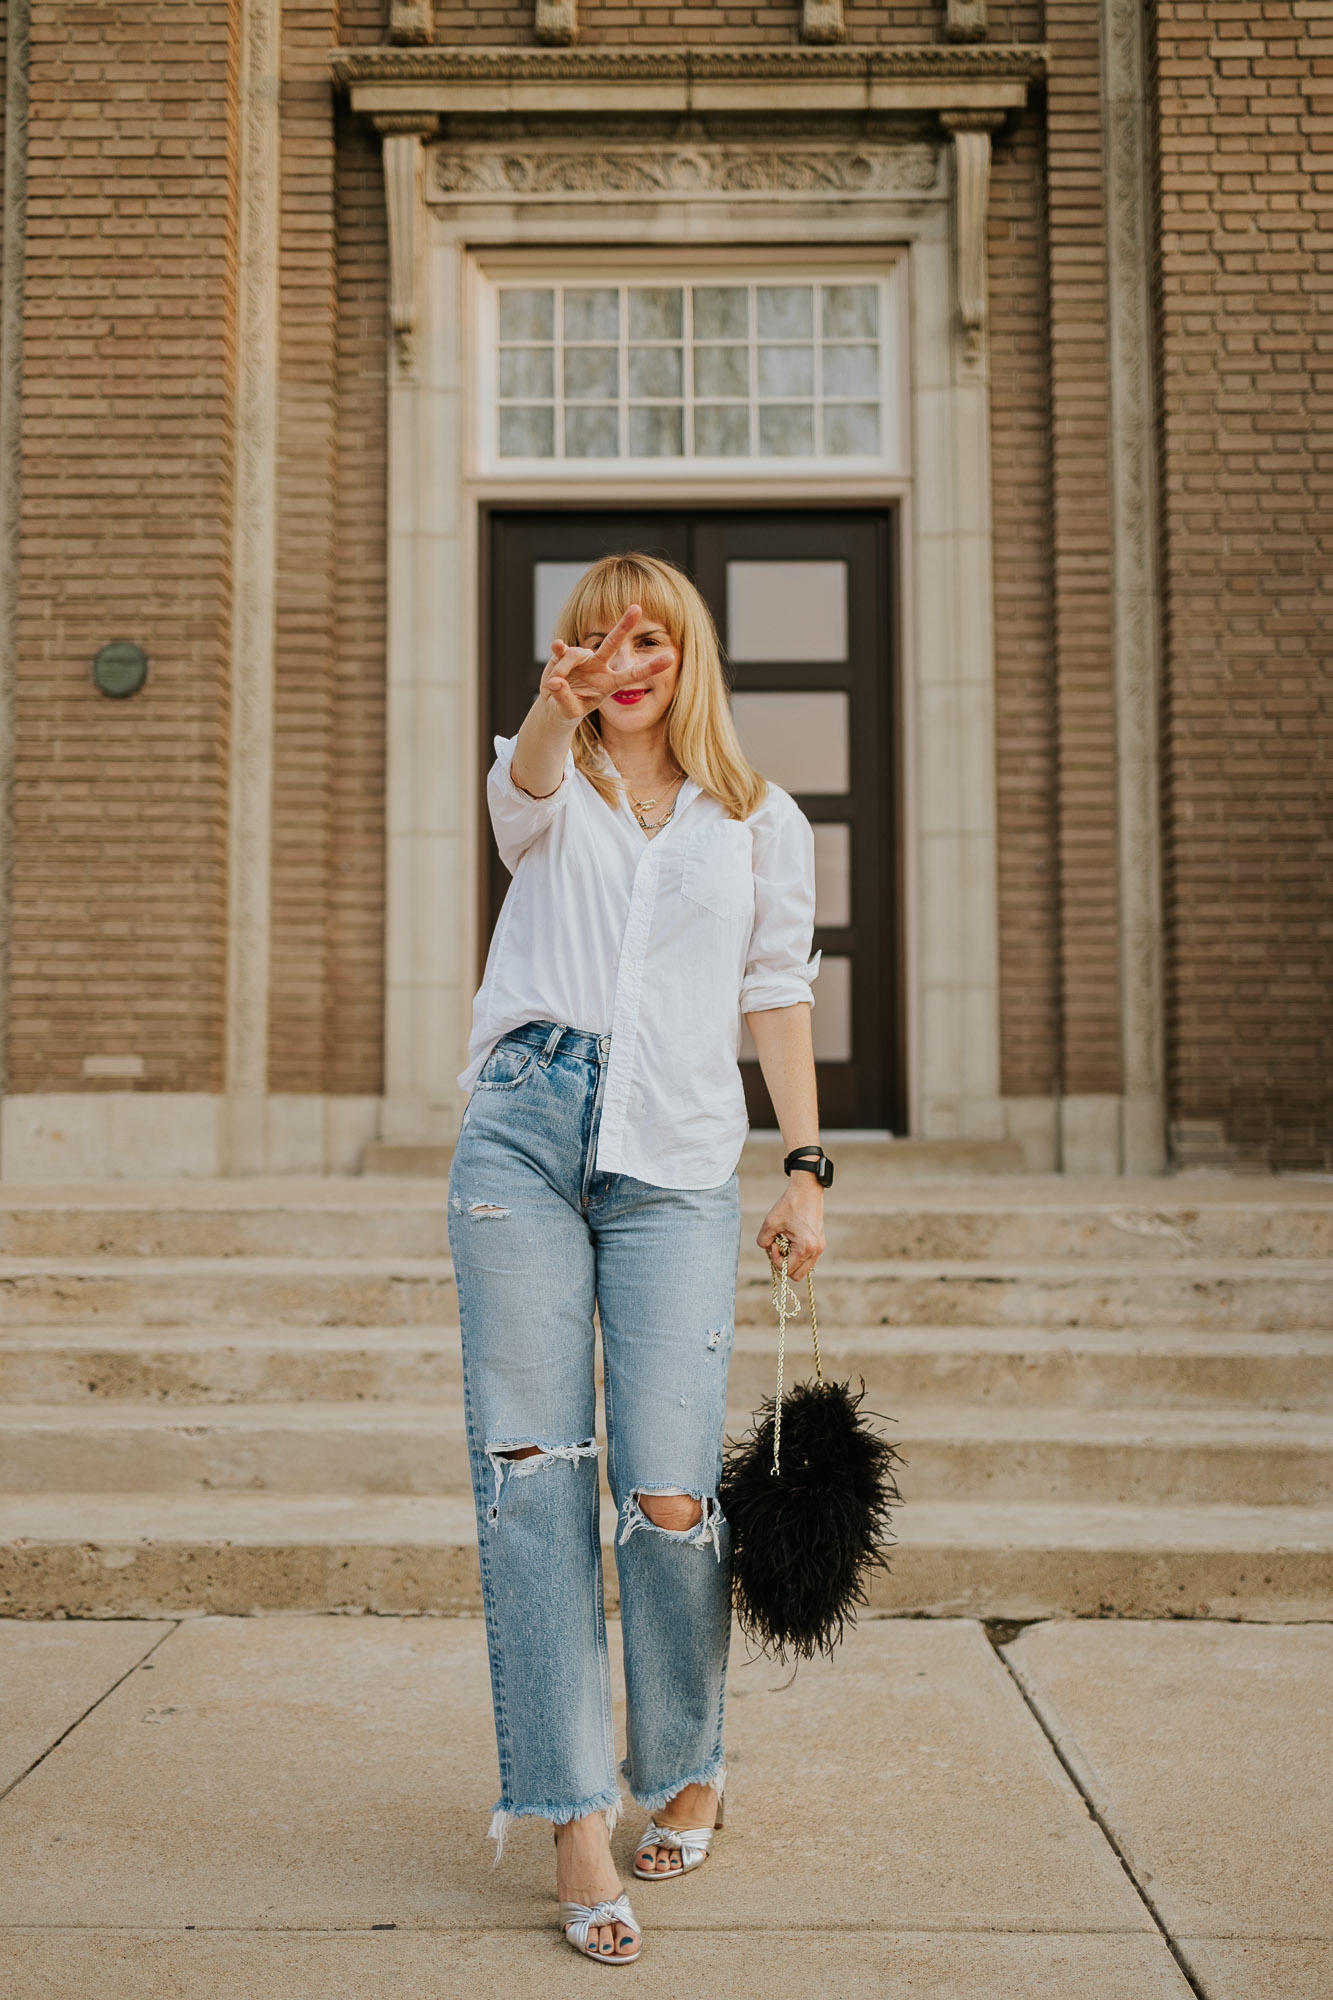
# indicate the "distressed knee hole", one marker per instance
pixel 695 1518
pixel 480 1211
pixel 520 1461
pixel 673 1511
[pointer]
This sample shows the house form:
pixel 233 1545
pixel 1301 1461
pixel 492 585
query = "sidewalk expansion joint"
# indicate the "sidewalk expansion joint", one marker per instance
pixel 1000 1633
pixel 133 1668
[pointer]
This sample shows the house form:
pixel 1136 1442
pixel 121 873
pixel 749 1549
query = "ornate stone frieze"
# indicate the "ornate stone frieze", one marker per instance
pixel 936 61
pixel 500 173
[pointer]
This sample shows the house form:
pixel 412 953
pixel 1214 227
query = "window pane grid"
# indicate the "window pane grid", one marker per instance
pixel 655 372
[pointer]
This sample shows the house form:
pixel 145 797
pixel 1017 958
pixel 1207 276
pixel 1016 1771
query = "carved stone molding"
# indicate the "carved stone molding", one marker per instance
pixel 253 583
pixel 822 21
pixel 971 142
pixel 1019 61
pixel 563 173
pixel 402 134
pixel 557 22
pixel 15 228
pixel 1135 593
pixel 500 83
pixel 411 22
pixel 965 20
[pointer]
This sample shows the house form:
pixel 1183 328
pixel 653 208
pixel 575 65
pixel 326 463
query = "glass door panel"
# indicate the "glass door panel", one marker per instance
pixel 787 610
pixel 801 601
pixel 833 876
pixel 800 741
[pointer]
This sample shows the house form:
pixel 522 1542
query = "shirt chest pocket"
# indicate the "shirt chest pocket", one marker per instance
pixel 718 870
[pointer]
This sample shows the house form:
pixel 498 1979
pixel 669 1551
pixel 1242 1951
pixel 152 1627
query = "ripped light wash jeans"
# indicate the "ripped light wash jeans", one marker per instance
pixel 538 1239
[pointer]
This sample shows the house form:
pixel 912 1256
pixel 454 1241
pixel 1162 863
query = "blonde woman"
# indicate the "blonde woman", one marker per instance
pixel 660 889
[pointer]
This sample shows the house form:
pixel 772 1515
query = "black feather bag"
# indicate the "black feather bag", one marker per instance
pixel 807 1496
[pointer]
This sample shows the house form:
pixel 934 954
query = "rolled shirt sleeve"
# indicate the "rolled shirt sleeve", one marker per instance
pixel 517 818
pixel 779 969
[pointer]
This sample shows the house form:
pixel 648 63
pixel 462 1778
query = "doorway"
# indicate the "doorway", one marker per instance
pixel 802 599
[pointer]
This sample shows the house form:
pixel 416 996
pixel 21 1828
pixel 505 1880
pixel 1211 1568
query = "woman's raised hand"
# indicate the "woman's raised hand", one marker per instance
pixel 578 679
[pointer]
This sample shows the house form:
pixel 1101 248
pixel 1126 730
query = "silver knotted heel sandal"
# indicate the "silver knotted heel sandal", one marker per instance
pixel 577 1919
pixel 692 1843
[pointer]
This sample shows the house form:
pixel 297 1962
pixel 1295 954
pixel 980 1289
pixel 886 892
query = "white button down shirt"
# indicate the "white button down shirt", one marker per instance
pixel 663 944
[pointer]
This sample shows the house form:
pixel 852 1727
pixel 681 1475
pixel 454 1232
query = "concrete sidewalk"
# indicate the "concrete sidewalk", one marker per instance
pixel 294 1808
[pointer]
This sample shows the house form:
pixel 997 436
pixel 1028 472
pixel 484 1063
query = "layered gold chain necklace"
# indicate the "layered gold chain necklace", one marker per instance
pixel 642 807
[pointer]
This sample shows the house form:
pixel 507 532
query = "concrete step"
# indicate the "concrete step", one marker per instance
pixel 1212 1295
pixel 1023 1367
pixel 1278 1294
pixel 187 1291
pixel 1196 1456
pixel 321 1220
pixel 147 1555
pixel 901 1366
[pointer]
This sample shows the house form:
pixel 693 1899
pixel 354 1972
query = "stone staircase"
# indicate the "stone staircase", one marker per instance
pixel 237 1396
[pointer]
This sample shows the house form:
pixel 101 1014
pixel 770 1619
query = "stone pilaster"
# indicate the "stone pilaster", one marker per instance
pixel 253 583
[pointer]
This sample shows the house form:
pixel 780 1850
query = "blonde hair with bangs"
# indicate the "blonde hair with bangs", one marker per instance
pixel 701 735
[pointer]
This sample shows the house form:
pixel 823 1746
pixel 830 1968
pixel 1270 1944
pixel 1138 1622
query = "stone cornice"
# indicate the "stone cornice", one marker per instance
pixel 919 77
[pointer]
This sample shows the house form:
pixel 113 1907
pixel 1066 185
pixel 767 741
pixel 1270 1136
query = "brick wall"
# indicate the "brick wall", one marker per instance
pixel 702 22
pixel 1024 664
pixel 326 988
pixel 4 81
pixel 307 468
pixel 1084 677
pixel 119 832
pixel 1245 180
pixel 356 938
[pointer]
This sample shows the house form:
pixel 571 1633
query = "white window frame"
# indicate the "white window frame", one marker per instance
pixel 886 270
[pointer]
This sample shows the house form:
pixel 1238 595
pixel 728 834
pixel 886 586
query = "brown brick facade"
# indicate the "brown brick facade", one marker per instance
pixel 356 942
pixel 120 807
pixel 307 472
pixel 699 23
pixel 119 890
pixel 1080 451
pixel 1026 768
pixel 326 976
pixel 1245 170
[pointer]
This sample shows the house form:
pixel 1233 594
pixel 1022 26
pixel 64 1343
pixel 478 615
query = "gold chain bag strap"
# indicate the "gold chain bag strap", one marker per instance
pixel 807 1495
pixel 785 1303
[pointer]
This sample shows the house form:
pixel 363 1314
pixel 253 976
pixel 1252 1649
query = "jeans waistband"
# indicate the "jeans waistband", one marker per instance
pixel 548 1036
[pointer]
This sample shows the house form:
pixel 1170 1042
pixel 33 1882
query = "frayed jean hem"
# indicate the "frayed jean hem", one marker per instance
pixel 713 1773
pixel 609 1804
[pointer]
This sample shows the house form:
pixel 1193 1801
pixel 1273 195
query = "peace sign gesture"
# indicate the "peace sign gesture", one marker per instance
pixel 578 679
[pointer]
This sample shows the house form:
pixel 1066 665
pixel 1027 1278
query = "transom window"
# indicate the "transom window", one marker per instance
pixel 717 369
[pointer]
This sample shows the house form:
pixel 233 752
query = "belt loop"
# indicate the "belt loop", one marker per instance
pixel 552 1044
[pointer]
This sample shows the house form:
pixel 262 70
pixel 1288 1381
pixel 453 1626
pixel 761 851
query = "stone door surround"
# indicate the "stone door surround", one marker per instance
pixel 502 152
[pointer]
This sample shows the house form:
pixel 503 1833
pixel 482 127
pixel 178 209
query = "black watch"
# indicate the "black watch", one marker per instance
pixel 810 1160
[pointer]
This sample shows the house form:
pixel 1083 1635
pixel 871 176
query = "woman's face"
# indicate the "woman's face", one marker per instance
pixel 642 703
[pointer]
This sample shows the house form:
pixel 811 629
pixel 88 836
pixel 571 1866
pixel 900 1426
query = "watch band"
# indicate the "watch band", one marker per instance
pixel 810 1160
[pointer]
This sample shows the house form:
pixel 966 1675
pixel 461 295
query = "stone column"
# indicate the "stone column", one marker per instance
pixel 253 577
pixel 428 664
pixel 15 226
pixel 1135 599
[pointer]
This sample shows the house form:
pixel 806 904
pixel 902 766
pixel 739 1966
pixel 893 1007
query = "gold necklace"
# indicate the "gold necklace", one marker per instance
pixel 639 807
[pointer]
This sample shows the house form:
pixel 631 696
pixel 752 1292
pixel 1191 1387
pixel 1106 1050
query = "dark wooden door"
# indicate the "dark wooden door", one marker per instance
pixel 802 603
